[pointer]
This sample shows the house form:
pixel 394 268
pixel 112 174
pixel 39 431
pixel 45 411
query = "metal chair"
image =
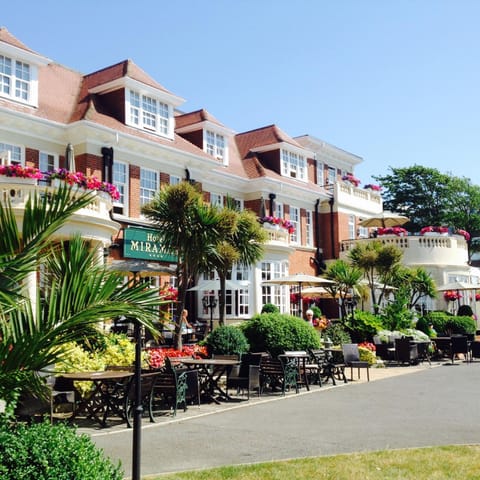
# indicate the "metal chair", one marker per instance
pixel 459 346
pixel 406 351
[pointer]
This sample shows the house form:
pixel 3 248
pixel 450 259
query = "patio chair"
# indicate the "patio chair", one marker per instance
pixel 277 374
pixel 474 350
pixel 459 346
pixel 406 351
pixel 247 375
pixel 322 367
pixel 351 357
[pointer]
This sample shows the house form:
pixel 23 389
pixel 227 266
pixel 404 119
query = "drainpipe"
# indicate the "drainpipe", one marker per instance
pixel 271 197
pixel 318 259
pixel 331 201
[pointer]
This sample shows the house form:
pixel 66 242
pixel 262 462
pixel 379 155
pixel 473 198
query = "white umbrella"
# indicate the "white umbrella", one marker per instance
pixel 300 279
pixel 145 269
pixel 320 292
pixel 384 219
pixel 70 158
pixel 215 285
pixel 457 286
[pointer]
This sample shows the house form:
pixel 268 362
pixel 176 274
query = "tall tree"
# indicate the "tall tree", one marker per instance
pixel 379 264
pixel 190 229
pixel 346 277
pixel 422 194
pixel 243 244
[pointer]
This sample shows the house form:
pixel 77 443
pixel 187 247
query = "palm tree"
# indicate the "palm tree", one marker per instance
pixel 346 278
pixel 79 294
pixel 188 228
pixel 243 245
pixel 378 262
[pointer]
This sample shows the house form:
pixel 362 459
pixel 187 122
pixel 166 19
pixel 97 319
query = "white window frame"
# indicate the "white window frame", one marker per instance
pixel 332 176
pixel 309 228
pixel 279 211
pixel 276 294
pixel 293 165
pixel 216 199
pixel 16 153
pixel 174 180
pixel 148 112
pixel 120 180
pixel 296 236
pixel 351 227
pixel 148 185
pixel 51 160
pixel 320 174
pixel 18 80
pixel 215 144
pixel 239 205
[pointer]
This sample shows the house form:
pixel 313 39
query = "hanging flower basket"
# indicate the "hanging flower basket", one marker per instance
pixel 452 295
pixel 399 231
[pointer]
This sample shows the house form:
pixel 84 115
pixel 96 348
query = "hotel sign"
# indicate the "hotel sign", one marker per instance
pixel 144 243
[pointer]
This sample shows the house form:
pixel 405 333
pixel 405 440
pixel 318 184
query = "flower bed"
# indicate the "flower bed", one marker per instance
pixel 431 229
pixel 452 295
pixel 399 231
pixel 156 355
pixel 72 178
pixel 371 186
pixel 351 179
pixel 278 221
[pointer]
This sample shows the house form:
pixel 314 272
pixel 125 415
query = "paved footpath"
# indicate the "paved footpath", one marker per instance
pixel 400 407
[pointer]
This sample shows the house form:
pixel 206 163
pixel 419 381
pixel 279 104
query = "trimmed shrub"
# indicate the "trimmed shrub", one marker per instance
pixel 363 326
pixel 227 340
pixel 277 332
pixel 465 311
pixel 51 452
pixel 337 334
pixel 446 323
pixel 270 308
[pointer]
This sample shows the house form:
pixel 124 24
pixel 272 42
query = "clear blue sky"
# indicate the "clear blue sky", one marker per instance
pixel 395 82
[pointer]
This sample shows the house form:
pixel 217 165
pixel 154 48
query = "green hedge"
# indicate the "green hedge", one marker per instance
pixel 445 323
pixel 276 332
pixel 51 452
pixel 227 340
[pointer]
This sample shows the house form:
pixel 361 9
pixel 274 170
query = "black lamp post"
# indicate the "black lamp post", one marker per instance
pixel 210 302
pixel 351 304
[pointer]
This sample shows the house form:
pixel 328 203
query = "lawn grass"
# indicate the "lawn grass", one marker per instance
pixel 436 463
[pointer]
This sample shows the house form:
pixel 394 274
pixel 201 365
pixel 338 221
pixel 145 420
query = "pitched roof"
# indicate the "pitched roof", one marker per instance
pixel 262 137
pixel 192 118
pixel 125 68
pixel 7 37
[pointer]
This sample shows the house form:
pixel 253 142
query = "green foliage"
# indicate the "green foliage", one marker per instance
pixel 276 332
pixel 51 452
pixel 397 315
pixel 366 355
pixel 424 326
pixel 317 313
pixel 227 340
pixel 270 308
pixel 465 311
pixel 363 326
pixel 337 333
pixel 444 322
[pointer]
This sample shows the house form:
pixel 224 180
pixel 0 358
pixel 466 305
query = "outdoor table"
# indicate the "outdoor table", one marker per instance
pixel 301 359
pixel 100 401
pixel 211 370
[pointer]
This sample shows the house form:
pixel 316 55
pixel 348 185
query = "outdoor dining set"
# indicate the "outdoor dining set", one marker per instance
pixel 194 380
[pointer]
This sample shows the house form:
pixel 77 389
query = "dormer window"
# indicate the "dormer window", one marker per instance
pixel 293 165
pixel 149 113
pixel 214 144
pixel 18 80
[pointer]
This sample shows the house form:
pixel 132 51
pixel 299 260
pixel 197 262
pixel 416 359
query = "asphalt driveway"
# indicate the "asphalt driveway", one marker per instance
pixel 431 406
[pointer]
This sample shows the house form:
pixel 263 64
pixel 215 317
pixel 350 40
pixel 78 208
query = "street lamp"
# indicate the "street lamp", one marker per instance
pixel 351 303
pixel 209 302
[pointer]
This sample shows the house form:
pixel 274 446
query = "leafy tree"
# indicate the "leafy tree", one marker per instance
pixel 79 292
pixel 346 277
pixel 378 263
pixel 190 229
pixel 242 244
pixel 429 197
pixel 418 281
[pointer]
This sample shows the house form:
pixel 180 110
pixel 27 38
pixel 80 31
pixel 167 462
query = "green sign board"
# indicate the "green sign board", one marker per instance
pixel 144 243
